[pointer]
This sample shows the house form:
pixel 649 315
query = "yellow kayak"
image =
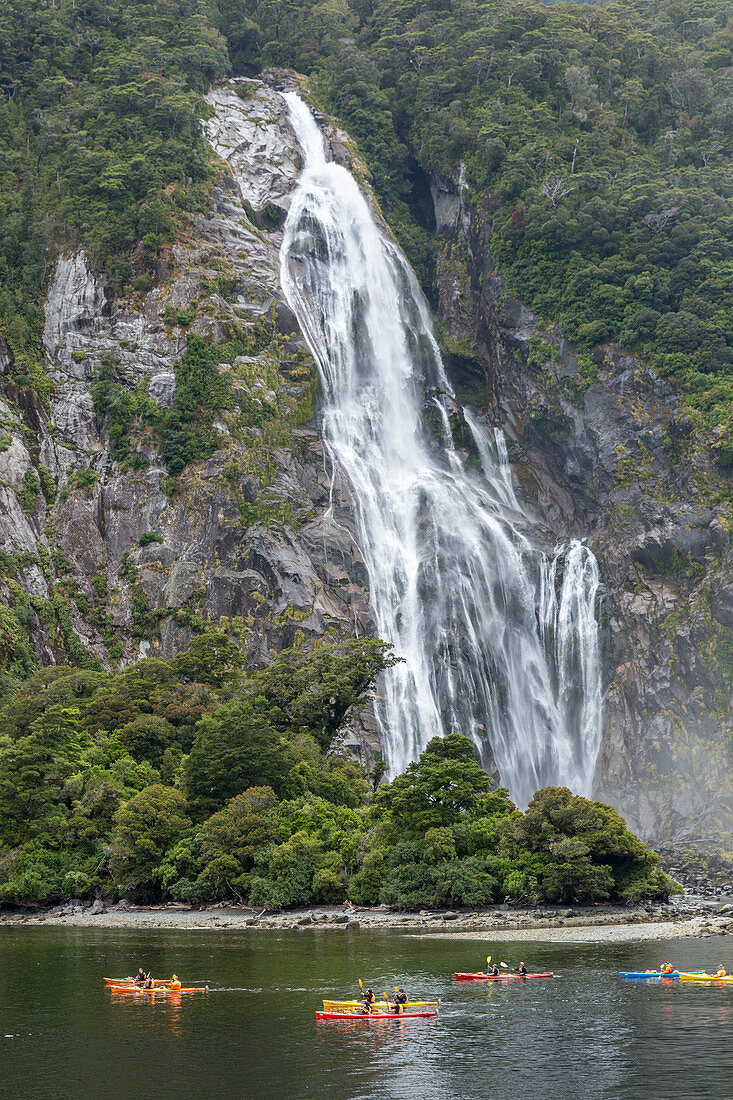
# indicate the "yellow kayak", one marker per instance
pixel 704 978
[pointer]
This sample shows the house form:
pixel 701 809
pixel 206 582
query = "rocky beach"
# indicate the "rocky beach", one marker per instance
pixel 689 916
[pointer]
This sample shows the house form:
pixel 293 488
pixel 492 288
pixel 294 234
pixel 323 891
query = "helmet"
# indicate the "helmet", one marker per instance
pixel 174 978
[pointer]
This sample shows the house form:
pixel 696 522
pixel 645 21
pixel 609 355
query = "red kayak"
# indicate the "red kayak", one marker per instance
pixel 371 1015
pixel 497 977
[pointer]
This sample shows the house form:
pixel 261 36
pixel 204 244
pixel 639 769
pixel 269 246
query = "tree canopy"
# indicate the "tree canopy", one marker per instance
pixel 150 784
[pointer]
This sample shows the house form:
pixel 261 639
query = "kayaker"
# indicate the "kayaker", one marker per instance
pixel 368 1000
pixel 175 983
pixel 400 1000
pixel 149 983
pixel 522 970
pixel 141 975
pixel 721 972
pixel 667 968
pixel 494 971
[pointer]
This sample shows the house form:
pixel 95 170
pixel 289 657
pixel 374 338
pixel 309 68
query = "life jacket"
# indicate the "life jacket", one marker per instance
pixel 176 984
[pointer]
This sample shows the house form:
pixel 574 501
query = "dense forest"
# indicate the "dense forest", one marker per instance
pixel 193 780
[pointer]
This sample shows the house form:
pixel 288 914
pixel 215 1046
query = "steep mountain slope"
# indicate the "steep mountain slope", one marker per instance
pixel 106 556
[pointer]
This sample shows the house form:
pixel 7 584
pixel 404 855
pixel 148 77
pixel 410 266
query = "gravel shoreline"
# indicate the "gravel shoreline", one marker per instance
pixel 690 917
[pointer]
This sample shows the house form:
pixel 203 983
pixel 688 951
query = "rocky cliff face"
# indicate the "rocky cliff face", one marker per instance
pixel 601 451
pixel 106 557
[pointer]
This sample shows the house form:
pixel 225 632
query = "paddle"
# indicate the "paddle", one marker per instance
pixel 508 968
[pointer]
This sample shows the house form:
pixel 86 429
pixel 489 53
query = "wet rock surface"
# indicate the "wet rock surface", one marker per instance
pixel 601 451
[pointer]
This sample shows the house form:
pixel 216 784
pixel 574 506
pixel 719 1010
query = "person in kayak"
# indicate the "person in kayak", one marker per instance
pixel 522 970
pixel 400 1000
pixel 140 976
pixel 149 982
pixel 721 971
pixel 368 1001
pixel 175 983
pixel 494 971
pixel 666 968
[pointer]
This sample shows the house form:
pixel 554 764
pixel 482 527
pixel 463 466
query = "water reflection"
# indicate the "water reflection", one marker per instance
pixel 150 1010
pixel 584 1033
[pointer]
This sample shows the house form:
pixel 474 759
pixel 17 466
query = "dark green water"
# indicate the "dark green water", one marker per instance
pixel 584 1034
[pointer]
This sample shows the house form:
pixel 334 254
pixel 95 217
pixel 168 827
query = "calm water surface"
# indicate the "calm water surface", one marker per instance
pixel 584 1034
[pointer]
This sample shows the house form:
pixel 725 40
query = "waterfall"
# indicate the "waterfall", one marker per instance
pixel 498 640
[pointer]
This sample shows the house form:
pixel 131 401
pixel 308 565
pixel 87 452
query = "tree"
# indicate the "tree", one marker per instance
pixel 239 748
pixel 147 826
pixel 660 219
pixel 147 737
pixel 556 187
pixel 233 838
pixel 212 658
pixel 586 851
pixel 314 688
pixel 445 786
pixel 33 771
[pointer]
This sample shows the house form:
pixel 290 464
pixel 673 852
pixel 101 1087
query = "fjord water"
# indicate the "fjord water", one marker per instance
pixel 583 1034
pixel 498 639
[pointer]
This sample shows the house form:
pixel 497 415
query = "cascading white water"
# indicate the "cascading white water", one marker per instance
pixel 489 646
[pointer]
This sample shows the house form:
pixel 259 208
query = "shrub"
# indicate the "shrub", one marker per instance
pixel 148 537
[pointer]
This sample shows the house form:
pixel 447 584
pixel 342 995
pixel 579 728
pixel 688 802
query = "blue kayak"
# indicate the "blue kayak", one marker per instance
pixel 647 974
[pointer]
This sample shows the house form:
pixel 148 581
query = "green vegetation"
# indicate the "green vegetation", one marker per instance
pixel 101 146
pixel 595 142
pixel 184 432
pixel 148 537
pixel 193 780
